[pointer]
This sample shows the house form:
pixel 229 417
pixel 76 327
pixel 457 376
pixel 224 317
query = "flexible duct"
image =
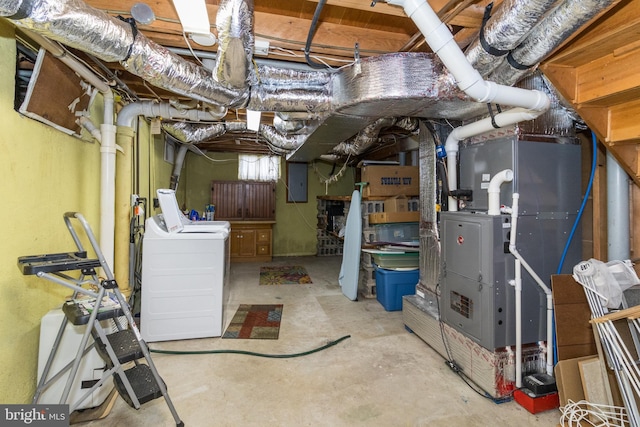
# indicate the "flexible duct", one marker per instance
pixel 291 78
pixel 285 143
pixel 234 23
pixel 365 138
pixel 80 26
pixel 370 135
pixel 554 29
pixel 504 30
pixel 193 133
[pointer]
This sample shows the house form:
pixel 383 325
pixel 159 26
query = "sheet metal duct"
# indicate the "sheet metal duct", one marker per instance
pixel 345 102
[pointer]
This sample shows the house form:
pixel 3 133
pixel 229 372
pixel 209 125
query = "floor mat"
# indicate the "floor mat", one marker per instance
pixel 255 321
pixel 284 275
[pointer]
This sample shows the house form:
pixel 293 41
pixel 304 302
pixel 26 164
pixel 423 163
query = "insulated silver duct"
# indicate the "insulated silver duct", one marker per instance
pixel 504 30
pixel 365 138
pixel 75 24
pixel 281 98
pixel 295 79
pixel 194 133
pixel 554 29
pixel 158 66
pixel 282 142
pixel 299 127
pixel 371 134
pixel 429 237
pixel 234 22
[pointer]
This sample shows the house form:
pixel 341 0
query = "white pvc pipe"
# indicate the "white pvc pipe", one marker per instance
pixel 107 191
pixel 538 280
pixel 441 41
pixel 86 123
pixel 494 190
pixel 518 289
pixel 617 211
pixel 107 148
pixel 154 109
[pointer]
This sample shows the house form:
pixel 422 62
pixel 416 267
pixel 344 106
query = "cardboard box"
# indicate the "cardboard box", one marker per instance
pixel 391 181
pixel 567 373
pixel 574 334
pixel 396 204
pixel 386 217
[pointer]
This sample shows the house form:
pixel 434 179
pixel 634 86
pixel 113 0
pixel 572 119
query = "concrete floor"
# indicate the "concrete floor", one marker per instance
pixel 382 375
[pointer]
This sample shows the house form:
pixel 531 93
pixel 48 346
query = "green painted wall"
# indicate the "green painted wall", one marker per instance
pixel 44 174
pixel 294 233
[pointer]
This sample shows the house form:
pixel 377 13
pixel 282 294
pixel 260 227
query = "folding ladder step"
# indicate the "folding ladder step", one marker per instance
pixel 125 345
pixel 142 382
pixel 78 311
pixel 51 263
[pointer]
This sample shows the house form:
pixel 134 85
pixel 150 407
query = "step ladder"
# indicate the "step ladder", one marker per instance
pixel 95 300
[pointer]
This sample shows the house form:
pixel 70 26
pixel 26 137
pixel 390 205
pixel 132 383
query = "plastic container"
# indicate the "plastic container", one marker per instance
pixel 396 260
pixel 392 285
pixel 397 232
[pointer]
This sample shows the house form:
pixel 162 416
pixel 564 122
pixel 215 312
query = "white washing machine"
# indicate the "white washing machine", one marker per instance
pixel 184 280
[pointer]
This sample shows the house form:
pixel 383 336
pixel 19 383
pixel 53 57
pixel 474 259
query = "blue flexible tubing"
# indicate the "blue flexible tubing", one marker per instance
pixel 576 222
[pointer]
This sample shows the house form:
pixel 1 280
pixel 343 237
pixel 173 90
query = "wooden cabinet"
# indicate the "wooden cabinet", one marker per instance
pixel 244 200
pixel 251 241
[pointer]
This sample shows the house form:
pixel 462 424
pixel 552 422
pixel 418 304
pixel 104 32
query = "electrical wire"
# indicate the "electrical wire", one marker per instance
pixel 251 353
pixel 312 30
pixel 584 201
pixel 594 145
pixel 452 364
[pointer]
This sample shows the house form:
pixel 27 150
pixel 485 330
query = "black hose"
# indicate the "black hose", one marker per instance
pixel 251 353
pixel 312 31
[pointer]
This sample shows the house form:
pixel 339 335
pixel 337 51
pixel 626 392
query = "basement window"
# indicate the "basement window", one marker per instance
pixel 258 168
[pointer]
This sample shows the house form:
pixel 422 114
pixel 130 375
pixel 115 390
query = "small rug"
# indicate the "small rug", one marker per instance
pixel 255 321
pixel 284 275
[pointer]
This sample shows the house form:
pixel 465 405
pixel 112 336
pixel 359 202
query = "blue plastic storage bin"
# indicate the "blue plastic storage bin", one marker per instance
pixel 392 285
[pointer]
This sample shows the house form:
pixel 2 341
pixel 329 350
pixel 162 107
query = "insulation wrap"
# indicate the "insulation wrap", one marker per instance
pixel 164 69
pixel 234 23
pixel 506 28
pixel 550 33
pixel 78 25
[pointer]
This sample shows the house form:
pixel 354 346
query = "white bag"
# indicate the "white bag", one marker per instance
pixel 607 280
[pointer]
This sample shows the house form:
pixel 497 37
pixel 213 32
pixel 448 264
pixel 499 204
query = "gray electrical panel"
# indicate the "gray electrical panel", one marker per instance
pixel 477 266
